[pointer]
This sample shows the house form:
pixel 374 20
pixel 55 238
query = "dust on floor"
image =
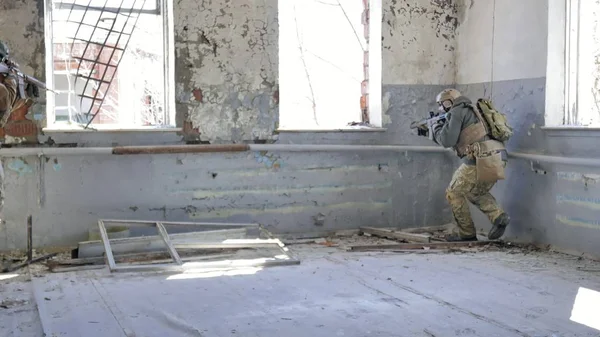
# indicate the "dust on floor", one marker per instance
pixel 486 291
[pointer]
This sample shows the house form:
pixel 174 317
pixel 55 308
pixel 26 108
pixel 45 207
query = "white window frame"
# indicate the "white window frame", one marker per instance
pixel 563 73
pixel 375 63
pixel 375 45
pixel 169 63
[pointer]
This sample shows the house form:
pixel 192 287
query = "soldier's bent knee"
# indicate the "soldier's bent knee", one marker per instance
pixel 4 99
pixel 451 196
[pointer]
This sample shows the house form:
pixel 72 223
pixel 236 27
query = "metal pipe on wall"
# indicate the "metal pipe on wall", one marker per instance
pixel 220 148
pixel 54 151
pixel 166 149
pixel 589 162
pixel 206 148
pixel 341 148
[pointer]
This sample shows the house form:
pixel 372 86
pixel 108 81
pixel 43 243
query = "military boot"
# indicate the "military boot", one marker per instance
pixel 499 227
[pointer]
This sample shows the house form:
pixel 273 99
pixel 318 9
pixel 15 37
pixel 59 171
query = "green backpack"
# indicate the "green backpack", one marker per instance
pixel 497 124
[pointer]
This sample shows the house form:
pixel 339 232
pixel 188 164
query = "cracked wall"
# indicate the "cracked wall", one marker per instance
pixel 227 60
pixel 227 57
pixel 419 49
pixel 419 41
pixel 227 90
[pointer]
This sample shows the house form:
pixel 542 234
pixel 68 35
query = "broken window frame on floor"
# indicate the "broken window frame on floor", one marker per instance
pixel 172 245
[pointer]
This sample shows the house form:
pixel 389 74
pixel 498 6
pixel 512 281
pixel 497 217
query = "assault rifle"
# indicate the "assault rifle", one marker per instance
pixel 422 124
pixel 7 66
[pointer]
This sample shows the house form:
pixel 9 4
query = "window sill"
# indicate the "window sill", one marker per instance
pixel 75 129
pixel 344 129
pixel 571 131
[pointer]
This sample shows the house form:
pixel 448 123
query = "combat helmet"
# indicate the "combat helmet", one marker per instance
pixel 447 95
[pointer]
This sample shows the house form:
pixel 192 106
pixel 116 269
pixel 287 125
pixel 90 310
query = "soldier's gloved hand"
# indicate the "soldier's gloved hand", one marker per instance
pixel 32 90
pixel 423 131
pixel 433 126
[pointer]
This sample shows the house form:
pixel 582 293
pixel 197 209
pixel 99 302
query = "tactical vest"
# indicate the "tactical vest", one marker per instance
pixel 474 139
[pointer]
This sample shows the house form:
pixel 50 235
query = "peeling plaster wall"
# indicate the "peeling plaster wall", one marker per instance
pixel 227 67
pixel 227 91
pixel 22 26
pixel 419 41
pixel 502 53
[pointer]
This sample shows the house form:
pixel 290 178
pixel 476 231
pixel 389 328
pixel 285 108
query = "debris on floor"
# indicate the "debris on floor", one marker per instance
pixel 332 293
pixel 421 238
pixel 219 247
pixel 13 261
pixel 396 234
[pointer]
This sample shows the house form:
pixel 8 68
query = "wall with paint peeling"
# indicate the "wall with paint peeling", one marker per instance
pixel 226 56
pixel 227 91
pixel 419 41
pixel 502 53
pixel 227 68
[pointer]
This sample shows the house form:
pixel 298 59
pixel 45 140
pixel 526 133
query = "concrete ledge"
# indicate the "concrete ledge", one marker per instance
pixel 349 129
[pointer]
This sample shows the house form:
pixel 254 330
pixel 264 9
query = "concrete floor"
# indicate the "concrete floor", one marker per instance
pixel 332 293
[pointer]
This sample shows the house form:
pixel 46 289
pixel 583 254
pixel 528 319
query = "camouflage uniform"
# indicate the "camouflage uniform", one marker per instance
pixel 8 101
pixel 464 187
pixel 462 129
pixel 8 95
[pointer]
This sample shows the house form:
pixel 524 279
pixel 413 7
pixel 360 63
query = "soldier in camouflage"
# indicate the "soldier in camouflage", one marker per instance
pixel 8 88
pixel 9 100
pixel 461 131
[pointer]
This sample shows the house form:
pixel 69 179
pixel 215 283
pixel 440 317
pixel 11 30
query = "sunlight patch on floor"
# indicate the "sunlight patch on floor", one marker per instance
pixel 586 309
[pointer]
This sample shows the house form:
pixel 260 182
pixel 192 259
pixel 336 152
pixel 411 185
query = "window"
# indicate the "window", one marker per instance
pixel 110 63
pixel 329 64
pixel 573 70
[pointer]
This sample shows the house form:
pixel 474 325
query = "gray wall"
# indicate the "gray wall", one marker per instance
pixel 502 54
pixel 493 49
pixel 285 191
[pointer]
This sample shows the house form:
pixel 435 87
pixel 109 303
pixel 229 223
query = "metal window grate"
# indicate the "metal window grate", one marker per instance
pixel 99 53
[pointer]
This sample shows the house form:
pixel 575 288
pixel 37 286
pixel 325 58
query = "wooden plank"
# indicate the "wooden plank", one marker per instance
pixel 392 234
pixel 100 260
pixel 432 245
pixel 421 230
